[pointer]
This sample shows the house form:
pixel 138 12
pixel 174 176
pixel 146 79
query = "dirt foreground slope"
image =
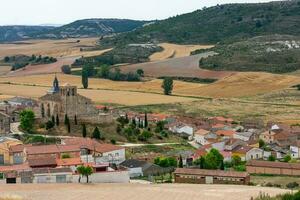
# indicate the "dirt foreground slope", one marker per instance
pixel 135 192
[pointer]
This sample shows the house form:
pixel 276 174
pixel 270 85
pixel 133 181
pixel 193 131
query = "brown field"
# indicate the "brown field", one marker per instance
pixel 135 191
pixel 182 67
pixel 176 51
pixel 55 48
pixel 99 96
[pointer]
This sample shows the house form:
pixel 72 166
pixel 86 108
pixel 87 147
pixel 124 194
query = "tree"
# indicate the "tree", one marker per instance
pixel 6 59
pixel 287 158
pixel 85 171
pixel 167 85
pixel 69 127
pixel 140 72
pixel 146 120
pixel 236 160
pixel 43 111
pixel 292 185
pixel 27 120
pixel 271 158
pixel 96 134
pixel 66 69
pixel 85 79
pixel 57 120
pixel 53 119
pixel 67 121
pixel 180 164
pixel 75 120
pixel 49 125
pixel 84 132
pixel 213 159
pixel 261 143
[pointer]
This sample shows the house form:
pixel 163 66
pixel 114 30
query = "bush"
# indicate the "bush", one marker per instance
pixel 292 185
pixel 66 69
pixel 49 125
pixel 65 156
pixel 113 141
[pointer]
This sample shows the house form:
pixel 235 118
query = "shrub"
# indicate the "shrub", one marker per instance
pixel 65 156
pixel 66 69
pixel 49 125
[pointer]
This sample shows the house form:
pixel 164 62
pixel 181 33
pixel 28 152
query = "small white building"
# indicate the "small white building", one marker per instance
pixel 183 129
pixel 52 175
pixel 201 137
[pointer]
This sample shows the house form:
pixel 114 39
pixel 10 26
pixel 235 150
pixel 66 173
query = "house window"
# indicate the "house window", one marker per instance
pixel 117 154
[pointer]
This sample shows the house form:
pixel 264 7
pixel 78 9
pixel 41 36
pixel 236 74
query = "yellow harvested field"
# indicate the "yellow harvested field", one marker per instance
pixel 153 86
pixel 237 85
pixel 98 96
pixel 176 51
pixel 136 191
pixel 55 48
pixel 245 84
pixel 4 70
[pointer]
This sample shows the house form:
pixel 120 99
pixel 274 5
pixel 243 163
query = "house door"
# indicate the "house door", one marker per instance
pixel 1 159
pixel 11 180
pixel 209 180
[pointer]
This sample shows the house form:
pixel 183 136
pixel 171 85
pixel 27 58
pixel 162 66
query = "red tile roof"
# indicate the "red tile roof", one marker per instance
pixel 242 149
pixel 40 162
pixel 228 133
pixel 199 153
pixel 201 132
pixel 69 162
pixel 21 167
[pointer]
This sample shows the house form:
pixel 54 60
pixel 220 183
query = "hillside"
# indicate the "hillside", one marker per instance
pixel 91 28
pixel 219 23
pixel 275 54
pixel 77 29
pixel 16 33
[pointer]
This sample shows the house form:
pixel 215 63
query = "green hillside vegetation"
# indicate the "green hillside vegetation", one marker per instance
pixel 21 61
pixel 91 28
pixel 218 23
pixel 137 53
pixel 15 33
pixel 275 54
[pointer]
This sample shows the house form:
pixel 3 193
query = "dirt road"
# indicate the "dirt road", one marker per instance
pixel 135 192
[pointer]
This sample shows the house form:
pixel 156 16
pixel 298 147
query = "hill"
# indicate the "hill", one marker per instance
pixel 77 29
pixel 91 28
pixel 218 23
pixel 275 54
pixel 16 33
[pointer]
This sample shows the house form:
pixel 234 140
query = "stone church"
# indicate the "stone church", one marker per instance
pixel 65 100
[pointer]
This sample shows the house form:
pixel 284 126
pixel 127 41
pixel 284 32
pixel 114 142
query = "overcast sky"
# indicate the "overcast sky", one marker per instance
pixel 35 12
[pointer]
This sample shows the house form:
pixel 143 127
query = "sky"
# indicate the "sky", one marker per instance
pixel 37 12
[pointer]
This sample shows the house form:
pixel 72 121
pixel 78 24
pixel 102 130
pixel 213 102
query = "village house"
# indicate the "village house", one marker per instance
pixel 220 120
pixel 295 150
pixel 201 176
pixel 231 144
pixel 279 136
pixel 4 124
pixel 5 145
pixel 247 153
pixel 138 168
pixel 275 168
pixel 204 137
pixel 245 136
pixel 182 129
pixel 225 133
pixel 65 100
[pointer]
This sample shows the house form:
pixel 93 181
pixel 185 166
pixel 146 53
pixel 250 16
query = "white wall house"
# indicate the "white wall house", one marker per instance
pixel 295 152
pixel 110 157
pixel 200 137
pixel 254 154
pixel 183 129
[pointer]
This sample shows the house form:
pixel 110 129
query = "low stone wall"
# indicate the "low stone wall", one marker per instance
pixel 105 177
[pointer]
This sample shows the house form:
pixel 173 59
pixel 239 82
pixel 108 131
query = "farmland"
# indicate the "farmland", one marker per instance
pixel 176 51
pixel 136 191
pixel 187 66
